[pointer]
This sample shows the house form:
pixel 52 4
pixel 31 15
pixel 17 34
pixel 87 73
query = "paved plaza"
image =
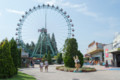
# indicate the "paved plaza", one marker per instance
pixel 53 74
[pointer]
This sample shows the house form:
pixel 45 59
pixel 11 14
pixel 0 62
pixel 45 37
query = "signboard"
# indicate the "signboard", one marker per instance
pixel 106 53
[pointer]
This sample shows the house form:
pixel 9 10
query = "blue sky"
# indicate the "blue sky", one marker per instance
pixel 97 20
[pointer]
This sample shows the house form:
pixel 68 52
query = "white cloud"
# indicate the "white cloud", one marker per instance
pixel 15 11
pixel 82 8
pixel 92 14
pixel 51 2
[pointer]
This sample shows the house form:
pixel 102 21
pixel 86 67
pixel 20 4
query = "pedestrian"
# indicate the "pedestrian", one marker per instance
pixel 41 66
pixel 46 65
pixel 106 65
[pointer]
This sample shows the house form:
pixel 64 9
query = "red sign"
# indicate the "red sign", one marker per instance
pixel 106 53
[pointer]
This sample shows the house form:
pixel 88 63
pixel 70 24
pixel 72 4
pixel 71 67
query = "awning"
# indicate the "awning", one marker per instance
pixel 95 51
pixel 114 50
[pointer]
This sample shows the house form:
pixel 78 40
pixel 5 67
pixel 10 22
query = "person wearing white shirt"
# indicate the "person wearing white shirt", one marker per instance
pixel 41 66
pixel 46 65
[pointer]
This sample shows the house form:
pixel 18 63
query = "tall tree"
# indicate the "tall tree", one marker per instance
pixel 14 53
pixel 59 58
pixel 54 44
pixel 71 50
pixel 49 58
pixel 31 48
pixel 7 68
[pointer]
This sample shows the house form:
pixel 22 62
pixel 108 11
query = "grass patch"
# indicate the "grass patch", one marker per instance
pixel 21 76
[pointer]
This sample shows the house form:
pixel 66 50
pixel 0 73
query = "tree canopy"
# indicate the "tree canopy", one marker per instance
pixel 71 50
pixel 7 67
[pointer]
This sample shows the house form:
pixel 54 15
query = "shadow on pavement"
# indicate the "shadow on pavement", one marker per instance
pixel 75 79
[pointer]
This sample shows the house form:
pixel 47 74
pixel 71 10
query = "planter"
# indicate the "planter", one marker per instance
pixel 67 69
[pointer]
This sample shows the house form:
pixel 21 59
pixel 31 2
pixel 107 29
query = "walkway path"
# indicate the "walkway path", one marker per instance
pixel 54 74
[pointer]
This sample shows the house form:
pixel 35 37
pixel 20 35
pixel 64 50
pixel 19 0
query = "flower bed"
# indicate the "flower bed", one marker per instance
pixel 68 69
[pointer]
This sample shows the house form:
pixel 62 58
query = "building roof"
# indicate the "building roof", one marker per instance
pixel 91 44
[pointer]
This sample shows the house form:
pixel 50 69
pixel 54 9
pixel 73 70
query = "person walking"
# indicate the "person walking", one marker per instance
pixel 41 66
pixel 106 65
pixel 46 65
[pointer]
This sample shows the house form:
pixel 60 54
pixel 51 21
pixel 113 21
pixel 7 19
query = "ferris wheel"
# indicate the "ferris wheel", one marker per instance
pixel 23 29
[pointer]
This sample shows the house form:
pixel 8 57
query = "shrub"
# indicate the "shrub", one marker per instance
pixel 71 50
pixel 14 53
pixel 7 68
pixel 59 58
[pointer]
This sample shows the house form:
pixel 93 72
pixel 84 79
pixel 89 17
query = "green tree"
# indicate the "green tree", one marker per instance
pixel 49 58
pixel 53 42
pixel 44 57
pixel 19 57
pixel 59 58
pixel 7 68
pixel 71 50
pixel 14 53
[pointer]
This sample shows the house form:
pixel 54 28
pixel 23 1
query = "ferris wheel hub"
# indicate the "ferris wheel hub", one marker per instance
pixel 42 30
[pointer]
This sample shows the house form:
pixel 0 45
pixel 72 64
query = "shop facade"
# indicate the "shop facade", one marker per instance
pixel 95 50
pixel 116 51
pixel 108 56
pixel 24 59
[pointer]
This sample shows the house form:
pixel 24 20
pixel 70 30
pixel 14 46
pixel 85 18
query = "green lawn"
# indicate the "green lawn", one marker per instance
pixel 21 76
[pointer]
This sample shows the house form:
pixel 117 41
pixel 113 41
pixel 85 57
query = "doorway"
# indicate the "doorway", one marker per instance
pixel 118 60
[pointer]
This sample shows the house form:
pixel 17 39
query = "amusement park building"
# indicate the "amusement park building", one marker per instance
pixel 112 52
pixel 24 59
pixel 108 55
pixel 95 50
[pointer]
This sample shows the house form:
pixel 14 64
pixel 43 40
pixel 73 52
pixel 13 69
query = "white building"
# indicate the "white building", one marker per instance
pixel 116 50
